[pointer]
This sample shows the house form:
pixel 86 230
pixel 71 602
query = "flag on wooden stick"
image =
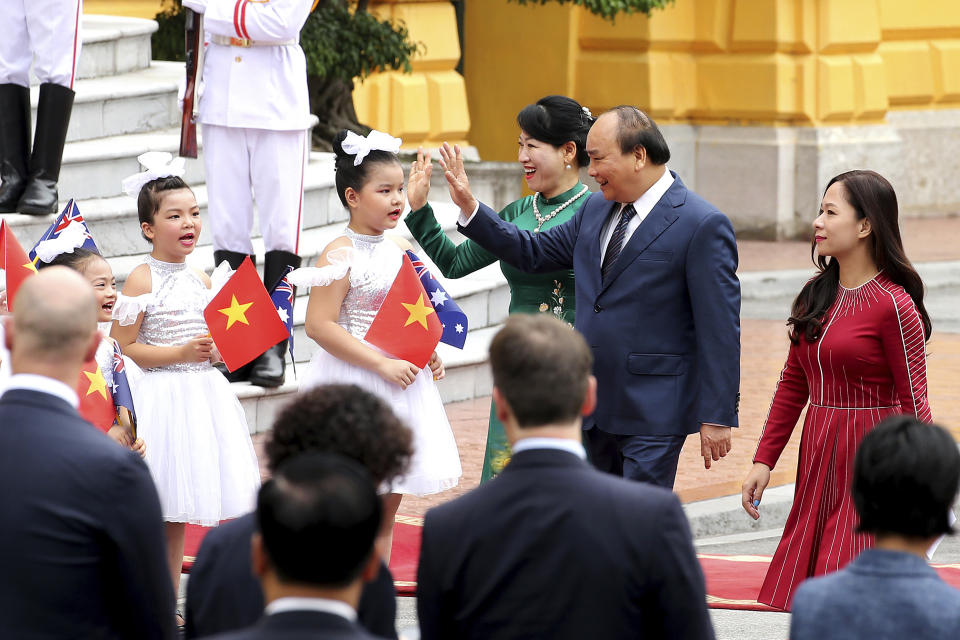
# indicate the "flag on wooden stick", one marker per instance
pixel 242 319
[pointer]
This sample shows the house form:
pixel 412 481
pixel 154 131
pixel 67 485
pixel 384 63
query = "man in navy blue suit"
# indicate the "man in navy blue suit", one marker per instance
pixel 81 539
pixel 317 519
pixel 552 548
pixel 658 298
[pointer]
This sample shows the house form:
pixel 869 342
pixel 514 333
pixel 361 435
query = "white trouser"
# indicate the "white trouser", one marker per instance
pixel 272 163
pixel 46 32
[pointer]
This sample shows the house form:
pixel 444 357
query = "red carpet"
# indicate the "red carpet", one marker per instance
pixel 732 581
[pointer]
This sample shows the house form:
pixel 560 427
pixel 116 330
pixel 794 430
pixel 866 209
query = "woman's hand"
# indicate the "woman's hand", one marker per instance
pixel 418 184
pixel 199 349
pixel 752 491
pixel 398 372
pixel 451 160
pixel 436 366
pixel 139 447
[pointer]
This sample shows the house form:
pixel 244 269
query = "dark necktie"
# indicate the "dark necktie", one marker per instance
pixel 616 241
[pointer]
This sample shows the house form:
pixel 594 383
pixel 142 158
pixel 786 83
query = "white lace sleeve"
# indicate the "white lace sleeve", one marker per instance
pixel 126 309
pixel 340 261
pixel 219 277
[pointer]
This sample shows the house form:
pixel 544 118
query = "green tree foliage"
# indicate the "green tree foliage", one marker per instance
pixel 608 9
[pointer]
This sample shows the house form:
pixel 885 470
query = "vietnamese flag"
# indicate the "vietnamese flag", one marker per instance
pixel 406 326
pixel 14 261
pixel 242 319
pixel 96 402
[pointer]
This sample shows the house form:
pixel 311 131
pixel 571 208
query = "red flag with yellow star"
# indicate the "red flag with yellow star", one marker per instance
pixel 96 402
pixel 406 326
pixel 242 319
pixel 14 261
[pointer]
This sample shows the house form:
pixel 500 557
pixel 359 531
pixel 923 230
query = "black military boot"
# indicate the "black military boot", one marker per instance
pixel 234 259
pixel 269 369
pixel 14 144
pixel 53 118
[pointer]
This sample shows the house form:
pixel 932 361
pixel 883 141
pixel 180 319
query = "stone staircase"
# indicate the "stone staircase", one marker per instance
pixel 126 104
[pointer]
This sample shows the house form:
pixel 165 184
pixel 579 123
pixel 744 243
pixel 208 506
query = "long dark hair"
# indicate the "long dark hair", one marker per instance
pixel 873 198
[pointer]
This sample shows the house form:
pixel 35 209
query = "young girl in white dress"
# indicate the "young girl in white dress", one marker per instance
pixel 200 454
pixel 351 280
pixel 97 271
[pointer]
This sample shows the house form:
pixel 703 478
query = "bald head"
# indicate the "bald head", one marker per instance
pixel 54 320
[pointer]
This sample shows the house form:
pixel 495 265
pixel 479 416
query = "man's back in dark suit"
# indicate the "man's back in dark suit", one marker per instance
pixel 555 549
pixel 300 625
pixel 81 536
pixel 223 594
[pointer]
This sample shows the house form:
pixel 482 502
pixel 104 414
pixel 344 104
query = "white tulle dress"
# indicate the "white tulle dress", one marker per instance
pixel 372 264
pixel 198 446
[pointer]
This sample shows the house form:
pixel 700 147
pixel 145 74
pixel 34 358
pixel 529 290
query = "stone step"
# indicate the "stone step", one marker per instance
pixel 113 45
pixel 138 101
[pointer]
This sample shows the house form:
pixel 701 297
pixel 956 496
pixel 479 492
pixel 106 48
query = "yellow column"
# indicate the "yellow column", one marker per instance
pixel 429 105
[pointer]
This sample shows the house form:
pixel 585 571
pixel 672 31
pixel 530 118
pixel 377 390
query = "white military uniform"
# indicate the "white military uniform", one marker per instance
pixel 43 32
pixel 255 113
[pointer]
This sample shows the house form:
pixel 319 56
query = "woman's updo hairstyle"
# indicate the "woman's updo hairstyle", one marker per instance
pixel 355 176
pixel 557 120
pixel 152 194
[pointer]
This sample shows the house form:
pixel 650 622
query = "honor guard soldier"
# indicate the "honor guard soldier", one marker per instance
pixel 255 113
pixel 47 34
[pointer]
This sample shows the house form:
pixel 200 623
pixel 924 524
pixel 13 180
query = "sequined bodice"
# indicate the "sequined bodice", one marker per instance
pixel 375 264
pixel 175 313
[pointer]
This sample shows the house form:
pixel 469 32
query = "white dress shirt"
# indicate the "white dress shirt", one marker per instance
pixel 43 384
pixel 561 444
pixel 643 205
pixel 326 605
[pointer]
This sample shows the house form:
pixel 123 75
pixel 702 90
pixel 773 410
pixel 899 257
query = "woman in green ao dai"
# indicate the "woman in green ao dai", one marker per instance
pixel 553 134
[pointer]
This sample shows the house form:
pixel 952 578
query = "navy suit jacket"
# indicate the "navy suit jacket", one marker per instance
pixel 665 326
pixel 82 546
pixel 880 595
pixel 300 625
pixel 223 594
pixel 552 548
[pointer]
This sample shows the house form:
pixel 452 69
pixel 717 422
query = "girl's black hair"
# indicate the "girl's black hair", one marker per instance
pixel 352 176
pixel 77 260
pixel 151 195
pixel 873 198
pixel 557 120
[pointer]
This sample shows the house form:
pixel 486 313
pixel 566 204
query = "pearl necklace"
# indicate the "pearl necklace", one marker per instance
pixel 542 219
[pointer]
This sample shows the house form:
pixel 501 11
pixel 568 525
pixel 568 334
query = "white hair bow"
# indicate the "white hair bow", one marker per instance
pixel 158 164
pixel 375 141
pixel 72 236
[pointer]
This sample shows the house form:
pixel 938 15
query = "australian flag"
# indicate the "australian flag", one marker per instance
pixel 69 215
pixel 282 297
pixel 122 397
pixel 453 319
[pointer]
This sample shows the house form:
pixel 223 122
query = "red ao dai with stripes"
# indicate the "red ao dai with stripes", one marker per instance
pixel 869 363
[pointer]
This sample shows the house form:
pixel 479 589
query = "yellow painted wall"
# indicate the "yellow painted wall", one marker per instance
pixel 758 62
pixel 428 106
pixel 131 8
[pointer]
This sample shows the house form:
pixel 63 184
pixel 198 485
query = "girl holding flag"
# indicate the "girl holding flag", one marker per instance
pixel 354 285
pixel 200 457
pixel 97 271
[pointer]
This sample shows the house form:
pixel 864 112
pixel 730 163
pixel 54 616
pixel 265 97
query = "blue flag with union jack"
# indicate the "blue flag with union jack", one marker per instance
pixel 282 297
pixel 122 396
pixel 69 215
pixel 454 320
